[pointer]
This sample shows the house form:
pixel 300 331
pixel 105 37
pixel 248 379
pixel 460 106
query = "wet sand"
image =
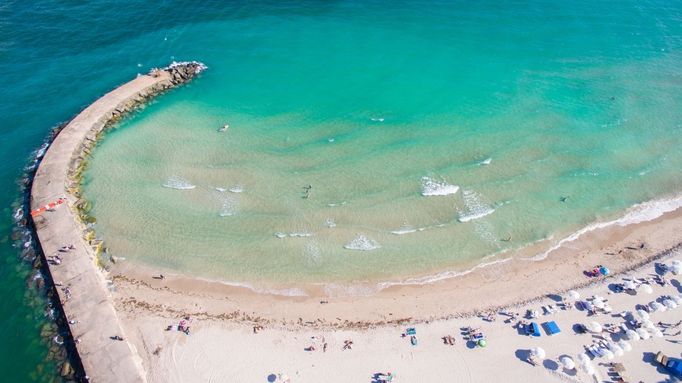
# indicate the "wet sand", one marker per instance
pixel 504 284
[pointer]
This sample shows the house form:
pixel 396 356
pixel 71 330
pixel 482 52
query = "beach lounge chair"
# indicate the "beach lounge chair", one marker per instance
pixel 551 328
pixel 413 340
pixel 594 350
pixel 533 329
pixel 411 331
pixel 661 358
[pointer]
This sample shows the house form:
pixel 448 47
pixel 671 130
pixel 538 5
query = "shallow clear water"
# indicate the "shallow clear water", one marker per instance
pixel 378 108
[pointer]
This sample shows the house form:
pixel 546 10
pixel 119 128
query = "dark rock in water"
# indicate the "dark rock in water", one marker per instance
pixel 28 253
pixel 184 71
pixel 66 370
pixel 40 283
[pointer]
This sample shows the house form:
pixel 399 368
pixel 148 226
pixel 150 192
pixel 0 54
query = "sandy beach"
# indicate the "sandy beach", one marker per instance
pixel 222 344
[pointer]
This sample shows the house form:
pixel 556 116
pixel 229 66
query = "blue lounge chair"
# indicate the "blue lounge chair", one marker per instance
pixel 551 328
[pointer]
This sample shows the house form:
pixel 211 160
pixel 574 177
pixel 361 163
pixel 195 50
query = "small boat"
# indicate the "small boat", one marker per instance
pixel 224 128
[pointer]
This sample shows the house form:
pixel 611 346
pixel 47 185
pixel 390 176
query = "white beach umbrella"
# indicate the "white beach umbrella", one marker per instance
pixel 589 369
pixel 588 305
pixel 608 354
pixel 625 345
pixel 642 314
pixel 573 294
pixel 616 349
pixel 538 352
pixel 676 269
pixel 629 285
pixel 644 334
pixel 676 262
pixel 649 325
pixel 593 327
pixel 567 362
pixel 670 304
pixel 632 335
pixel 658 333
pixel 647 289
pixel 599 304
pixel 657 306
pixel 597 298
pixel 677 299
pixel 586 364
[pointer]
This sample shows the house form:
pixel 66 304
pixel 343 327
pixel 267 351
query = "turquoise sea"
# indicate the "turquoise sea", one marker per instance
pixel 428 131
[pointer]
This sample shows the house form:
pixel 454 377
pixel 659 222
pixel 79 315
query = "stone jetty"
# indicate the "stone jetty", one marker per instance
pixel 56 207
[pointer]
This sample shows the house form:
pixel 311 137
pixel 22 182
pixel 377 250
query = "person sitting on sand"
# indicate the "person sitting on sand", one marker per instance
pixel 347 345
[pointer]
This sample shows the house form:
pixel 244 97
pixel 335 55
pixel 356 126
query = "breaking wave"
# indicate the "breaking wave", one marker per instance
pixel 362 243
pixel 176 182
pixel 473 207
pixel 431 187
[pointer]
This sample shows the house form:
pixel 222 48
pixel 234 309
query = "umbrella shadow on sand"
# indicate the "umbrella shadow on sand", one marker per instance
pixel 550 364
pixel 523 355
pixel 677 285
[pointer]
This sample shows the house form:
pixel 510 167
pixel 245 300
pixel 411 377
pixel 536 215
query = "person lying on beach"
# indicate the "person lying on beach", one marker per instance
pixel 347 345
pixel 55 260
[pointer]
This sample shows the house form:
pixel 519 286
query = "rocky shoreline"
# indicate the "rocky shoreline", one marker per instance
pixel 61 160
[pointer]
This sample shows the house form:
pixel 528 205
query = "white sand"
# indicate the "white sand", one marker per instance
pixel 226 351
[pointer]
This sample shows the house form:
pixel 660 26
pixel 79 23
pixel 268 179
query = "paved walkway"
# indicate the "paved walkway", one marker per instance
pixel 87 300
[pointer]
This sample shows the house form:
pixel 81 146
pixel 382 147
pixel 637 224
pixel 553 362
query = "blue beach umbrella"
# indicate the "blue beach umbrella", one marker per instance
pixel 272 378
pixel 604 271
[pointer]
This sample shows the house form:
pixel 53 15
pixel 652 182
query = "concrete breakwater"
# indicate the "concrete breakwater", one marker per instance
pixel 68 245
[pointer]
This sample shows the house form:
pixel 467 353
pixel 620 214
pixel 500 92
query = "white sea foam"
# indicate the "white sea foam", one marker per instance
pixel 229 206
pixel 441 276
pixel 487 161
pixel 404 229
pixel 340 290
pixel 18 214
pixel 200 66
pixel 330 223
pixel 643 212
pixel 220 189
pixel 299 234
pixel 362 243
pixel 337 204
pixel 176 182
pixel 377 119
pixel 331 139
pixel 312 252
pixel 432 187
pixel 473 207
pixel 236 189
